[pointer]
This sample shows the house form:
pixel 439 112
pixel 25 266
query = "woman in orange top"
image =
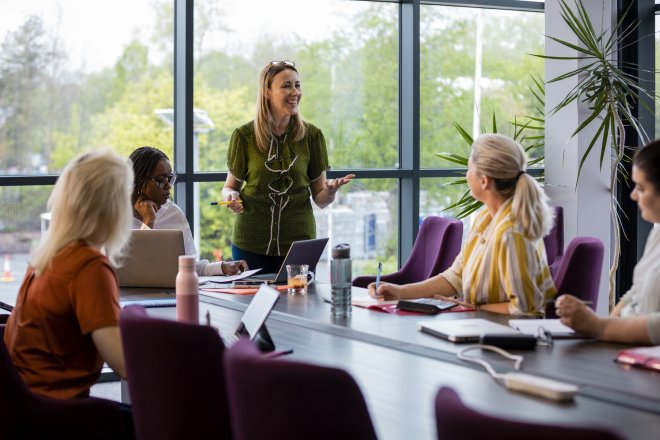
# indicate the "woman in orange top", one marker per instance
pixel 66 320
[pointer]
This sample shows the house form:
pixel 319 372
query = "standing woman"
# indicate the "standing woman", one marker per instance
pixel 502 267
pixel 274 163
pixel 66 320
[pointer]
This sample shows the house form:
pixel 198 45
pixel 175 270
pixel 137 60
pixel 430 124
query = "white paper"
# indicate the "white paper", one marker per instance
pixel 531 326
pixel 224 279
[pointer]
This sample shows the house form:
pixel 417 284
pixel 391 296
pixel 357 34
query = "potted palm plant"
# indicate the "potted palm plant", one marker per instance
pixel 609 94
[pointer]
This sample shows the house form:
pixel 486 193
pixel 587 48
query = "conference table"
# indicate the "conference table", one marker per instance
pixel 400 369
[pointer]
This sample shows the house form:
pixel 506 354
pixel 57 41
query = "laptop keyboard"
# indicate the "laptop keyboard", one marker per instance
pixel 149 303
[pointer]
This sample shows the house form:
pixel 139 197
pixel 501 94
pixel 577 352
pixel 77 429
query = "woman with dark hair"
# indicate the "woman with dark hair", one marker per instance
pixel 274 163
pixel 152 208
pixel 636 318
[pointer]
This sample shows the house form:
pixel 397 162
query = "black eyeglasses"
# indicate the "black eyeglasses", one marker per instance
pixel 283 63
pixel 163 180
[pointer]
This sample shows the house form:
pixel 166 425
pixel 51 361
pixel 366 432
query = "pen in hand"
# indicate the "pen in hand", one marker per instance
pixel 380 269
pixel 227 202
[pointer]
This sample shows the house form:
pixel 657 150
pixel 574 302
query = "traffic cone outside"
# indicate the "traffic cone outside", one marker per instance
pixel 6 271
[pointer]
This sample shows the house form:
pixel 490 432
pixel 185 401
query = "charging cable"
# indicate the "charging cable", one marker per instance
pixel 517 359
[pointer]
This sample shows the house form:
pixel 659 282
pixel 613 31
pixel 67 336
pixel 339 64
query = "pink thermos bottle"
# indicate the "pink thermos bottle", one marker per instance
pixel 187 295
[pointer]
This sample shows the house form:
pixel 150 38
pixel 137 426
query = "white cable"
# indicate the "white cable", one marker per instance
pixel 484 363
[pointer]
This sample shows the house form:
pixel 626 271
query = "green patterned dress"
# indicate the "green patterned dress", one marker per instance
pixel 276 191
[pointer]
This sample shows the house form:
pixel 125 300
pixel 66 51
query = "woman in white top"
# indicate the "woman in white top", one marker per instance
pixel 636 318
pixel 153 209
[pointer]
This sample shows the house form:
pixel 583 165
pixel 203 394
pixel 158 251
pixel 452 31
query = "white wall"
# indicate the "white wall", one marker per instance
pixel 587 206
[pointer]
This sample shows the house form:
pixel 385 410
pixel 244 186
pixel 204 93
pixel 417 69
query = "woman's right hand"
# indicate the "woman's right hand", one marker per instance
pixel 386 291
pixel 147 210
pixel 235 198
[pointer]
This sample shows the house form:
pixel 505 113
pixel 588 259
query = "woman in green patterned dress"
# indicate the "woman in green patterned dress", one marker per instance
pixel 275 162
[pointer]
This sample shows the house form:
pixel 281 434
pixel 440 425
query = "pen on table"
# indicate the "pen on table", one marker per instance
pixel 6 306
pixel 380 269
pixel 588 303
pixel 208 318
pixel 226 202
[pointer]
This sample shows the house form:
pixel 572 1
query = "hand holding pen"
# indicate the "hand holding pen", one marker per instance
pixel 378 272
pixel 232 199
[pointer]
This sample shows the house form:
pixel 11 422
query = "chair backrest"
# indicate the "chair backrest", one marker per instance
pixel 580 269
pixel 279 399
pixel 456 421
pixel 436 247
pixel 28 415
pixel 175 378
pixel 554 241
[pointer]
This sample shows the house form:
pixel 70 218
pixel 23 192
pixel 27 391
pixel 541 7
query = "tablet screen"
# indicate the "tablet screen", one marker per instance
pixel 259 308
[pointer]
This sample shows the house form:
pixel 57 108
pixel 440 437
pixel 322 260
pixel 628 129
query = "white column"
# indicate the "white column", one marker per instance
pixel 587 205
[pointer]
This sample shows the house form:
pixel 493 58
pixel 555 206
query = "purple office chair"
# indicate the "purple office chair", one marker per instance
pixel 579 272
pixel 436 246
pixel 175 378
pixel 279 399
pixel 455 421
pixel 26 415
pixel 554 242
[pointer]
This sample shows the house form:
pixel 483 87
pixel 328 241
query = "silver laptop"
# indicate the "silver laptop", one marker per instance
pixel 463 330
pixel 152 258
pixel 301 252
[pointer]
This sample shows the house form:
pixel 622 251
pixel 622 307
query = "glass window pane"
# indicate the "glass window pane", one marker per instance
pixel 364 214
pixel 474 64
pixel 80 75
pixel 21 224
pixel 347 57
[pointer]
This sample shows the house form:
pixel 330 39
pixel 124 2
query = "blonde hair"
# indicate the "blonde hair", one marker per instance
pixel 504 160
pixel 264 117
pixel 91 201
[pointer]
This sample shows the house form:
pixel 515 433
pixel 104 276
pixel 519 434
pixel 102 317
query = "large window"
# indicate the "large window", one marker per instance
pixel 82 75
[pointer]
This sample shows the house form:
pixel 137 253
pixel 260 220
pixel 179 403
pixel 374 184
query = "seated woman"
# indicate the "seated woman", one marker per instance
pixel 636 318
pixel 152 208
pixel 503 267
pixel 66 320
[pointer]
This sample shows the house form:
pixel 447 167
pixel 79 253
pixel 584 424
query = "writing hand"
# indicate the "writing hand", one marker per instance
pixel 385 291
pixel 234 267
pixel 332 186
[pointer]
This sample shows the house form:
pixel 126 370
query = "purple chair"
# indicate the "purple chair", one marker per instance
pixel 436 246
pixel 554 242
pixel 26 415
pixel 175 378
pixel 579 272
pixel 277 399
pixel 455 421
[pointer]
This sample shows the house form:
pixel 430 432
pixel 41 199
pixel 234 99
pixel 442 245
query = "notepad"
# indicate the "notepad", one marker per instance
pixel 149 303
pixel 554 326
pixel 643 357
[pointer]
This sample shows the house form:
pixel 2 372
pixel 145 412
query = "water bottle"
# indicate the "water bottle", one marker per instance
pixel 187 294
pixel 340 278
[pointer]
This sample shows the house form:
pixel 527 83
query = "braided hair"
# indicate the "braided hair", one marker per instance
pixel 145 160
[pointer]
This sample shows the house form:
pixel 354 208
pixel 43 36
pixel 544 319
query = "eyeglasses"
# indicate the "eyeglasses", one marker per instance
pixel 284 63
pixel 163 180
pixel 544 337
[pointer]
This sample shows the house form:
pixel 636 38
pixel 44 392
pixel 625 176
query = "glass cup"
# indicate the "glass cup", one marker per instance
pixel 298 278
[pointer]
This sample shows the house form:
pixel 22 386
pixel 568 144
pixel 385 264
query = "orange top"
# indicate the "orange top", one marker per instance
pixel 48 335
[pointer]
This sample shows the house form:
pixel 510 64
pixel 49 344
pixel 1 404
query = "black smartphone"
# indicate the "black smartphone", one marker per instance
pixel 429 306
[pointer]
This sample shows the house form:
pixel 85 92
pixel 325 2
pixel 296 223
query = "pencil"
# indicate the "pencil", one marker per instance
pixel 227 202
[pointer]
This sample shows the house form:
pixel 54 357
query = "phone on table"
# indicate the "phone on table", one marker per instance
pixel 429 306
pixel 246 284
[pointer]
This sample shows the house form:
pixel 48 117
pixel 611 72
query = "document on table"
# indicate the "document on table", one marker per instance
pixel 226 279
pixel 554 326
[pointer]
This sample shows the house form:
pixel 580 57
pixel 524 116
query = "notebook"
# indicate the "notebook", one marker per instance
pixel 152 258
pixel 463 330
pixel 301 252
pixel 535 327
pixel 644 357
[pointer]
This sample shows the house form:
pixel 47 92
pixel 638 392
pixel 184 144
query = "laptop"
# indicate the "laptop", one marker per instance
pixel 463 330
pixel 301 252
pixel 152 258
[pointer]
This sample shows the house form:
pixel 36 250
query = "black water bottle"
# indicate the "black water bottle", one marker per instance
pixel 340 278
